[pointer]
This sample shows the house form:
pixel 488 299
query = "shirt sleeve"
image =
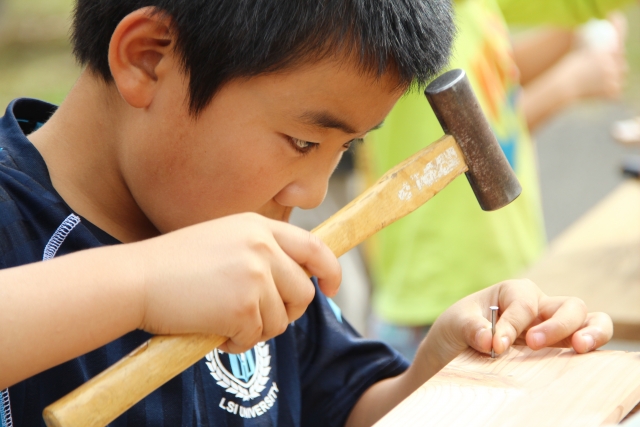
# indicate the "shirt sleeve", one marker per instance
pixel 566 13
pixel 337 365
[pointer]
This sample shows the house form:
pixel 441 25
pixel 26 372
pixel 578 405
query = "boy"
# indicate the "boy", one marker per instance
pixel 195 129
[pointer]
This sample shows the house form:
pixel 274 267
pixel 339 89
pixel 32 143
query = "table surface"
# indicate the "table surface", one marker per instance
pixel 549 387
pixel 598 260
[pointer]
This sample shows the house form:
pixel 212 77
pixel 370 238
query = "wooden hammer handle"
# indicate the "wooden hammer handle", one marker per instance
pixel 399 192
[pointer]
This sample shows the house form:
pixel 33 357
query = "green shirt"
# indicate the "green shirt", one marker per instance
pixel 450 248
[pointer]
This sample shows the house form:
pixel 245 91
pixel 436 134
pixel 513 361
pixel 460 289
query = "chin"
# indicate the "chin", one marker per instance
pixel 279 213
pixel 286 215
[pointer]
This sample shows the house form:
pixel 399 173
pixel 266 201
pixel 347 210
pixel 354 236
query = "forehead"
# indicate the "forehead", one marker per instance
pixel 330 93
pixel 337 76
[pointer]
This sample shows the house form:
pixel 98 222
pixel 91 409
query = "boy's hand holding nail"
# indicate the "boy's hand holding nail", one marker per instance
pixel 527 316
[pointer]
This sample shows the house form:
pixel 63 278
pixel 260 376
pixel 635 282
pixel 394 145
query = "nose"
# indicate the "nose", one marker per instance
pixel 307 191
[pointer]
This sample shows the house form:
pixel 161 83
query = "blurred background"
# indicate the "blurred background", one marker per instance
pixel 579 161
pixel 35 57
pixel 36 61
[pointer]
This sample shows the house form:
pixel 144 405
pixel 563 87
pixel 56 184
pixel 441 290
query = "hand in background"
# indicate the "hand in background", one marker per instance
pixel 595 68
pixel 599 62
pixel 592 73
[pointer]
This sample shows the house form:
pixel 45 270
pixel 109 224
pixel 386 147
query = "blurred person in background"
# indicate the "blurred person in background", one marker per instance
pixel 561 66
pixel 627 132
pixel 450 248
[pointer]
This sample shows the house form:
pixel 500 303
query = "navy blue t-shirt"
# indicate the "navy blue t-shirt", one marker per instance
pixel 312 375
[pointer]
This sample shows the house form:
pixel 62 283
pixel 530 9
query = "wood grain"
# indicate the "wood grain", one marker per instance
pixel 549 387
pixel 598 260
pixel 399 192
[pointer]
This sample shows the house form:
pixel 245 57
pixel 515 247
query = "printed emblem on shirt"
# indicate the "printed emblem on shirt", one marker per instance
pixel 246 377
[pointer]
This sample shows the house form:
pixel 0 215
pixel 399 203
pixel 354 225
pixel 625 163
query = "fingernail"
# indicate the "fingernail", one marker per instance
pixel 505 343
pixel 588 339
pixel 539 339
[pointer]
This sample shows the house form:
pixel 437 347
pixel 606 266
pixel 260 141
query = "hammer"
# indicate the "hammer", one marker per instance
pixel 467 146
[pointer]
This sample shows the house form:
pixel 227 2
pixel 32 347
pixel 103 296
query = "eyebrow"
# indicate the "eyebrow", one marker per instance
pixel 325 119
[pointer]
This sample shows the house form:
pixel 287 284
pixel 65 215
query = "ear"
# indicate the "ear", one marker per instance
pixel 139 45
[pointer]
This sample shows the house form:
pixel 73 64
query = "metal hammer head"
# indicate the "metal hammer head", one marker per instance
pixel 456 107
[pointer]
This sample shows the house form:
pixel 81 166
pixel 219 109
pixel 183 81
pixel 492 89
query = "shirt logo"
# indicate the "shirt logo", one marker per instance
pixel 245 376
pixel 243 365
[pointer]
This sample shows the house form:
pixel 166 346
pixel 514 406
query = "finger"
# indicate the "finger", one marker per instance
pixel 310 252
pixel 474 327
pixel 596 332
pixel 479 335
pixel 240 344
pixel 619 22
pixel 249 332
pixel 293 291
pixel 292 282
pixel 273 312
pixel 518 301
pixel 564 315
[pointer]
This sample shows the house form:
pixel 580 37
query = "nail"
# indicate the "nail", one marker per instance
pixel 494 313
pixel 539 339
pixel 505 343
pixel 588 339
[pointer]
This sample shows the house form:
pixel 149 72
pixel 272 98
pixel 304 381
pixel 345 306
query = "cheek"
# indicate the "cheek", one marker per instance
pixel 197 180
pixel 258 172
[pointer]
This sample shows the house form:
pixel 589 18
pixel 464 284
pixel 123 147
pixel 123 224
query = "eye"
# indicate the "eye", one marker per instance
pixel 303 146
pixel 348 144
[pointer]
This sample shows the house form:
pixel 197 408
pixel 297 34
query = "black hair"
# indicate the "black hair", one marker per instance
pixel 219 40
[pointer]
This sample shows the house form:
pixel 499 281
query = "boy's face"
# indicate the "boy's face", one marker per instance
pixel 249 150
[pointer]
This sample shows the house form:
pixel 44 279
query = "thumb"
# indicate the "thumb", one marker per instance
pixel 472 329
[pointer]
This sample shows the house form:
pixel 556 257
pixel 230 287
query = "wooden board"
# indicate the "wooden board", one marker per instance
pixel 551 387
pixel 598 259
